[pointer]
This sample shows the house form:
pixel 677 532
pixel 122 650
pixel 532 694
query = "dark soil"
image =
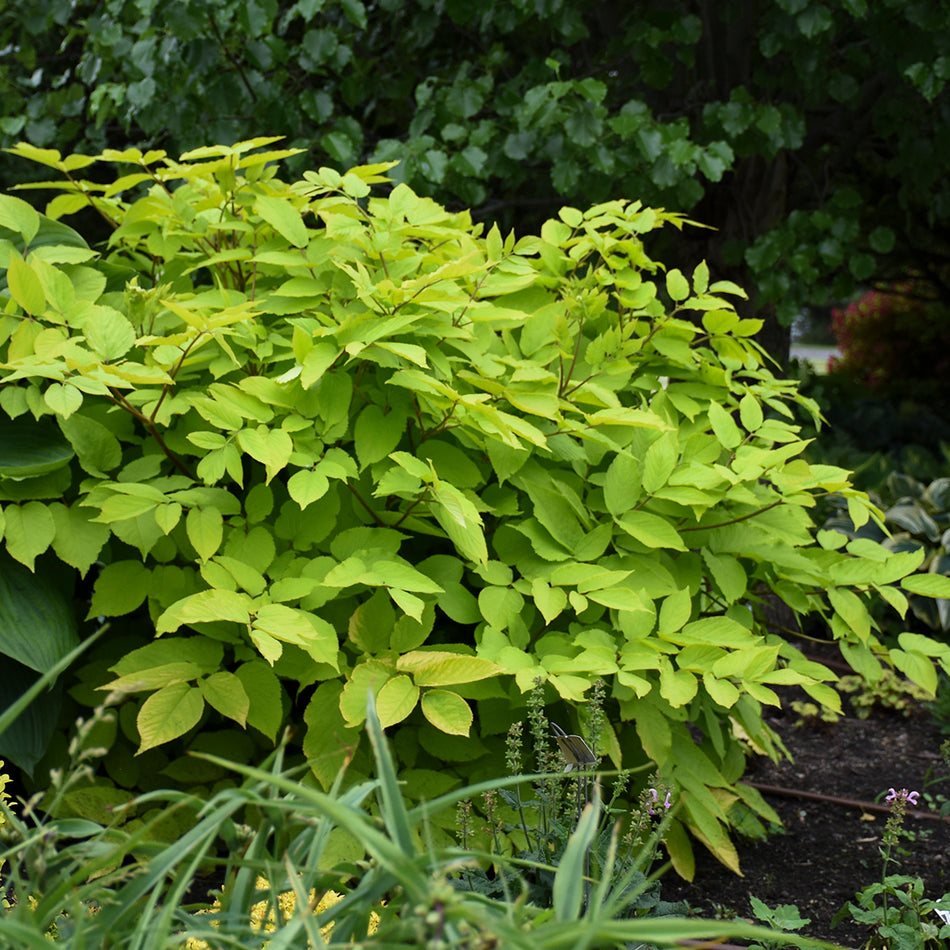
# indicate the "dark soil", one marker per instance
pixel 827 851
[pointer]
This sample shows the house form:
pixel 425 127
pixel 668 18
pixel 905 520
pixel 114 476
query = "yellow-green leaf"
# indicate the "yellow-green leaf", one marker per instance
pixel 441 668
pixel 225 692
pixel 447 711
pixel 168 714
pixel 396 699
pixel 25 287
pixel 284 218
pixel 205 528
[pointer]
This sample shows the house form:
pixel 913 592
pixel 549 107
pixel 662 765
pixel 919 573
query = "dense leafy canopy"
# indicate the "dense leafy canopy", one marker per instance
pixel 318 442
pixel 814 134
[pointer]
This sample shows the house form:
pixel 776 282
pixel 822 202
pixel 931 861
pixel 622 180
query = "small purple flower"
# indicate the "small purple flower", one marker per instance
pixel 894 794
pixel 667 802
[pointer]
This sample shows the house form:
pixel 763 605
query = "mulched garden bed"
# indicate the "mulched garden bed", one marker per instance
pixel 828 850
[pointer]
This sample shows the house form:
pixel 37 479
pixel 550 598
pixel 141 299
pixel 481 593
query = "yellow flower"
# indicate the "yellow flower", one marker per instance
pixel 286 903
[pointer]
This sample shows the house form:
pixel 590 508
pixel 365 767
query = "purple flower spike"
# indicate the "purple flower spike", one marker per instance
pixel 903 795
pixel 669 800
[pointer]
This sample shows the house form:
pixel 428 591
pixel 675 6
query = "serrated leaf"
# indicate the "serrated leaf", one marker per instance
pixel 29 531
pixel 376 434
pixel 155 677
pixel 78 538
pixel 917 667
pixel 264 696
pixel 120 588
pixel 225 692
pixel 724 426
pixel 677 286
pixel 851 609
pixel 205 653
pixel 460 520
pixel 675 612
pixel 271 447
pixel 728 573
pixel 500 606
pixel 64 400
pixel 651 530
pixel 750 412
pixel 205 529
pixel 396 699
pixel 447 711
pixel 307 486
pixel 168 714
pixel 205 607
pixel 284 218
pixel 658 463
pixel 701 278
pixel 19 216
pixel 622 485
pixel 440 668
pixel 25 286
pixel 927 585
pixel 108 332
pixel 97 449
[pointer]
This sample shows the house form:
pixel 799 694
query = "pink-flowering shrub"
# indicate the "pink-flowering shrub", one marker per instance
pixel 895 343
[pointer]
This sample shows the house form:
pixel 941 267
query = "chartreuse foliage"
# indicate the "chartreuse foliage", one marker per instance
pixel 99 885
pixel 332 442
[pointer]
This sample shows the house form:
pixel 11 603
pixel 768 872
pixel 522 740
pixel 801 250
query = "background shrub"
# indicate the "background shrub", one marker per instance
pixel 301 442
pixel 896 343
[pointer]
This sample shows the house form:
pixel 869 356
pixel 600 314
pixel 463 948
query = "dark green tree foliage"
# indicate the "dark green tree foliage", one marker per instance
pixel 813 135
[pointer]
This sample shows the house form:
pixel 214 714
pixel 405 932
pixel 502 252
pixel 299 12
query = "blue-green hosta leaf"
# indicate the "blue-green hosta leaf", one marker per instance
pixel 37 622
pixel 29 448
pixel 27 739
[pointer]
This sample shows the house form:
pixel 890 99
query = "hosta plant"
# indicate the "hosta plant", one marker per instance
pixel 304 441
pixel 916 518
